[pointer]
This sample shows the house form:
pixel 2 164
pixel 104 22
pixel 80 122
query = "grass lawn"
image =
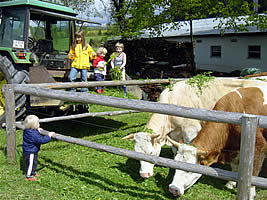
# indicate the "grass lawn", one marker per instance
pixel 75 172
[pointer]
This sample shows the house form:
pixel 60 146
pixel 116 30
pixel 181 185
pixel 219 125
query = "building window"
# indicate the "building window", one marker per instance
pixel 233 40
pixel 254 51
pixel 216 51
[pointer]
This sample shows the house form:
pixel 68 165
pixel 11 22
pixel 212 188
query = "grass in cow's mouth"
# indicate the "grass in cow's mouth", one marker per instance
pixel 70 171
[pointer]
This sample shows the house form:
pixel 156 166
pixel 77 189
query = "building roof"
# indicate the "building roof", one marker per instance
pixel 201 27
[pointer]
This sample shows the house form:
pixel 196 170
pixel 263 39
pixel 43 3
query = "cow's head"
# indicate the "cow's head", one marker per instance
pixel 183 180
pixel 148 144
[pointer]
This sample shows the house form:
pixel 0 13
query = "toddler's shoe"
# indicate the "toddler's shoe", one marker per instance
pixel 31 179
pixel 36 175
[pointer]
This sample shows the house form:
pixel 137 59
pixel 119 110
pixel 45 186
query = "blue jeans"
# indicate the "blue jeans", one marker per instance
pixel 73 75
pixel 99 77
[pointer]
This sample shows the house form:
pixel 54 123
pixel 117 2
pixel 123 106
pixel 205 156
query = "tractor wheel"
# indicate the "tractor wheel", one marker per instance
pixel 11 75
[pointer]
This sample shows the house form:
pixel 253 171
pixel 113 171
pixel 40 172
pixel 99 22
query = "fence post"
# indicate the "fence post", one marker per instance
pixel 10 122
pixel 247 148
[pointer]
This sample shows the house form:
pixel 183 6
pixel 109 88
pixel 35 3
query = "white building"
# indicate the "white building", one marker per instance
pixel 224 53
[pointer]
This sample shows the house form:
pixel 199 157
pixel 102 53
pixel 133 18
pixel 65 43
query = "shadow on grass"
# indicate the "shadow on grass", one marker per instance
pixel 216 183
pixel 4 150
pixel 83 127
pixel 164 182
pixel 132 167
pixel 166 152
pixel 134 127
pixel 104 183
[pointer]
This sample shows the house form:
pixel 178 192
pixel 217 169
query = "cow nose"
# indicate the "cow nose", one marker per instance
pixel 145 175
pixel 176 191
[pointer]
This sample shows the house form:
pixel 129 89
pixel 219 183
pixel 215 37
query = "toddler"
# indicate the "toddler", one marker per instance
pixel 99 65
pixel 32 140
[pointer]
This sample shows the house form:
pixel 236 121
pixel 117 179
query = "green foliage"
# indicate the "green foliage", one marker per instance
pixel 153 15
pixel 115 73
pixel 200 82
pixel 96 40
pixel 113 55
pixel 260 79
pixel 148 130
pixel 238 15
pixel 171 84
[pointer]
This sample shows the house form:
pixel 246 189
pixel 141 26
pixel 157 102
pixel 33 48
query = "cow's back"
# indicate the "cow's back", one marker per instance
pixel 158 121
pixel 183 94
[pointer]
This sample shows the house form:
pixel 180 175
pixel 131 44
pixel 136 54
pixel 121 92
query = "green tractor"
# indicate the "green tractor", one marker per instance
pixel 35 37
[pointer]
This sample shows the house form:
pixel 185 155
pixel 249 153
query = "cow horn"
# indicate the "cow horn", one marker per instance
pixel 154 135
pixel 201 152
pixel 174 143
pixel 129 137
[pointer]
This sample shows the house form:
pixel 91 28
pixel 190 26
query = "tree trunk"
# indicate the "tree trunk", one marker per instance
pixel 193 69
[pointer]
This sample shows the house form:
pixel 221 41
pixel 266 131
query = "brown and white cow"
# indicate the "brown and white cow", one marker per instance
pixel 220 142
pixel 178 127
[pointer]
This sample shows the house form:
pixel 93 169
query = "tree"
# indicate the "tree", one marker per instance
pixel 86 7
pixel 120 13
pixel 156 16
pixel 239 15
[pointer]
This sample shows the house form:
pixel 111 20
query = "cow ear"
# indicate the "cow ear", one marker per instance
pixel 154 136
pixel 210 158
pixel 129 137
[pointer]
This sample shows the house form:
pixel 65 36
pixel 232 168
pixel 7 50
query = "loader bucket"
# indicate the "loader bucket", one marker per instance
pixel 39 74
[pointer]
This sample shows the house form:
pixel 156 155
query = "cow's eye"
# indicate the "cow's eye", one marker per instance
pixel 148 152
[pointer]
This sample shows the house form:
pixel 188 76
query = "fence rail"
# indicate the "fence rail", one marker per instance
pixel 104 83
pixel 144 106
pixel 77 116
pixel 165 162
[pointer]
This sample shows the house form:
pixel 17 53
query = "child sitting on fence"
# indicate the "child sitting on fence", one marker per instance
pixel 99 65
pixel 32 140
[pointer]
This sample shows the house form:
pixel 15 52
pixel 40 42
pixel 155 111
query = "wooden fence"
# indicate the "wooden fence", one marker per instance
pixel 249 125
